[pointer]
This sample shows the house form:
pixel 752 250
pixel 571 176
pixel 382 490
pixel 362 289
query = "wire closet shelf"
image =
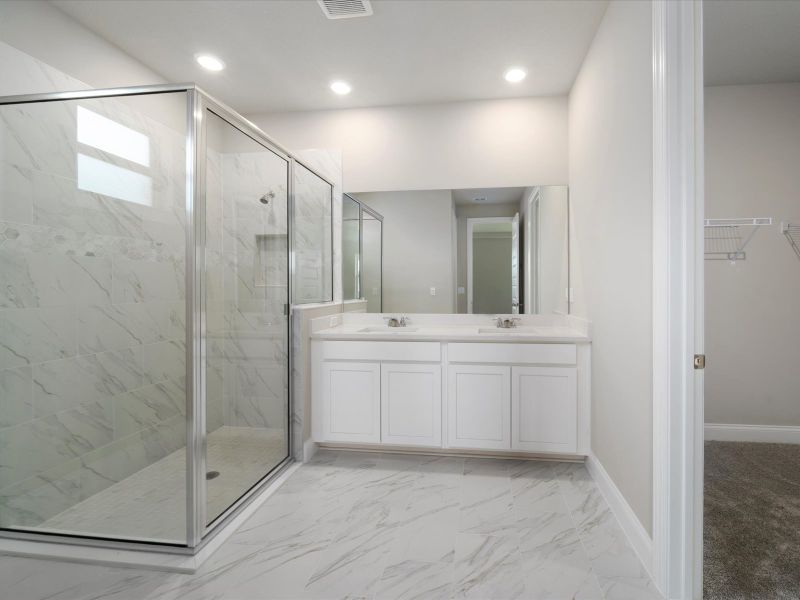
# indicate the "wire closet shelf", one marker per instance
pixel 726 239
pixel 792 233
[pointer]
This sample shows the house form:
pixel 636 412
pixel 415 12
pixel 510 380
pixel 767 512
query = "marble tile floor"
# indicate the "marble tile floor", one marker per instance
pixel 151 503
pixel 392 526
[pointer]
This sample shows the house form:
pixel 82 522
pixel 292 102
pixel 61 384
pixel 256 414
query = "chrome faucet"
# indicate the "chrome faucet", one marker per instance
pixel 402 321
pixel 506 322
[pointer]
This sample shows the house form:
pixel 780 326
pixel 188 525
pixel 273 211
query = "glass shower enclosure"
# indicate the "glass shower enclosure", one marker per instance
pixel 145 238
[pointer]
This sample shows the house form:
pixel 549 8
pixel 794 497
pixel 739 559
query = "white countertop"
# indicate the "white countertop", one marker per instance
pixel 453 333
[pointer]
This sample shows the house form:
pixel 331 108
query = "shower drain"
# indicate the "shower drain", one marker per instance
pixel 212 474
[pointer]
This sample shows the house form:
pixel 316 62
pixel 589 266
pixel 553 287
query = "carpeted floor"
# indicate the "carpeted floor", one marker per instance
pixel 751 532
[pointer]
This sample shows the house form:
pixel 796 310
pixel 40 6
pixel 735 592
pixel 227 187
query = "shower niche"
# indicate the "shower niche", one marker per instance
pixel 146 253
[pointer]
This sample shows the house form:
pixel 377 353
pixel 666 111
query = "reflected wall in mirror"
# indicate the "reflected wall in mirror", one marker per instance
pixel 351 248
pixel 372 259
pixel 313 237
pixel 488 250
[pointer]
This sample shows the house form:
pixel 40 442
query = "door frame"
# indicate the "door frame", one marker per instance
pixel 678 208
pixel 471 222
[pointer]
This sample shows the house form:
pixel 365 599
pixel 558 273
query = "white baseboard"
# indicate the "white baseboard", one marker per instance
pixel 310 448
pixel 776 434
pixel 635 532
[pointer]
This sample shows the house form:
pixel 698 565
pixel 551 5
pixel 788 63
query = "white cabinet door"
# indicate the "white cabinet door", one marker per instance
pixel 411 404
pixel 544 405
pixel 351 399
pixel 479 406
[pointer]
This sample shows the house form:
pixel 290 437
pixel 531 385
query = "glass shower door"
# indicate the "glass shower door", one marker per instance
pixel 247 323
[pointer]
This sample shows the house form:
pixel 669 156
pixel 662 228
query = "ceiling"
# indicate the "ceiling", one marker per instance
pixel 282 54
pixel 504 195
pixel 754 41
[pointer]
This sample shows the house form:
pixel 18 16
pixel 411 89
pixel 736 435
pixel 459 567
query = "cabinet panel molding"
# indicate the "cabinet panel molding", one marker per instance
pixel 479 406
pixel 544 409
pixel 351 401
pixel 411 404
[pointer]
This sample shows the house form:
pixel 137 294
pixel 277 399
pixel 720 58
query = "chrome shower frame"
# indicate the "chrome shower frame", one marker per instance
pixel 198 531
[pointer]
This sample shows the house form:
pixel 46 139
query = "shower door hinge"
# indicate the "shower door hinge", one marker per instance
pixel 699 361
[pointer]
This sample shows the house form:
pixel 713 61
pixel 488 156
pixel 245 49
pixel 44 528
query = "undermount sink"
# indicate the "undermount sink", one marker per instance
pixel 387 329
pixel 501 330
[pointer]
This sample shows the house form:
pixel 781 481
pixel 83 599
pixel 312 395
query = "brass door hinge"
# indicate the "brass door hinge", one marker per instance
pixel 699 361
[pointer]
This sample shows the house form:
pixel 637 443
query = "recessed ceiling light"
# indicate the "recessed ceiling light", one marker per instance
pixel 212 63
pixel 341 87
pixel 515 75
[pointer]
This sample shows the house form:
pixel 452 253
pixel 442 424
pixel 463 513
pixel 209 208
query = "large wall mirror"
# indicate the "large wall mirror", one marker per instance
pixel 485 251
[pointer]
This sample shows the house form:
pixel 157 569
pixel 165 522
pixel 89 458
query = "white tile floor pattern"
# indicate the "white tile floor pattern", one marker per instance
pixel 390 526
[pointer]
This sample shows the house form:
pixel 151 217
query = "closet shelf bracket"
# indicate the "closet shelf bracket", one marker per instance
pixel 726 239
pixel 792 233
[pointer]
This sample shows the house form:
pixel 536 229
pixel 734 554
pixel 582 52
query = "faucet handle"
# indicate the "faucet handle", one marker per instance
pixel 404 320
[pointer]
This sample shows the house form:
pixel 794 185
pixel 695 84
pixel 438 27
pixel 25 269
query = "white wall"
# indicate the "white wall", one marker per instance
pixel 417 250
pixel 752 154
pixel 493 143
pixel 552 251
pixel 610 178
pixel 42 31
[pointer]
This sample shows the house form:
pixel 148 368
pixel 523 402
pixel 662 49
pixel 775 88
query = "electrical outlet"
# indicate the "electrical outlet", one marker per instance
pixel 334 320
pixel 433 291
pixel 461 291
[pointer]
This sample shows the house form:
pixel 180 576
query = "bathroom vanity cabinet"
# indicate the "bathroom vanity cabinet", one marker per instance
pixel 508 397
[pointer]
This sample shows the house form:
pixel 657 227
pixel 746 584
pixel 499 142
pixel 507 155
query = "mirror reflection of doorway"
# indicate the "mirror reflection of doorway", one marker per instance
pixel 492 270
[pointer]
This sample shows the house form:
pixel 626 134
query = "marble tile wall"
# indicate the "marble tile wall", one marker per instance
pixel 92 318
pixel 107 302
pixel 313 231
pixel 328 163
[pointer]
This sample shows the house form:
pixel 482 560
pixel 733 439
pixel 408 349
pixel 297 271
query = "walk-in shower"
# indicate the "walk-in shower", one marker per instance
pixel 145 262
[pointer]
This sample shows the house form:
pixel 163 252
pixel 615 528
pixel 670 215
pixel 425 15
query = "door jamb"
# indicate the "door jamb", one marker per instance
pixel 677 297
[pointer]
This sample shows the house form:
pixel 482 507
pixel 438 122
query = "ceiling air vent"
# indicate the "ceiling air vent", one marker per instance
pixel 345 9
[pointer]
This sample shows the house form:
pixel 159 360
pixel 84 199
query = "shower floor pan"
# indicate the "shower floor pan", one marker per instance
pixel 150 505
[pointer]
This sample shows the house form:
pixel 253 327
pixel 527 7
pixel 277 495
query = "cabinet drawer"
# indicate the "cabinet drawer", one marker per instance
pixel 378 351
pixel 549 354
